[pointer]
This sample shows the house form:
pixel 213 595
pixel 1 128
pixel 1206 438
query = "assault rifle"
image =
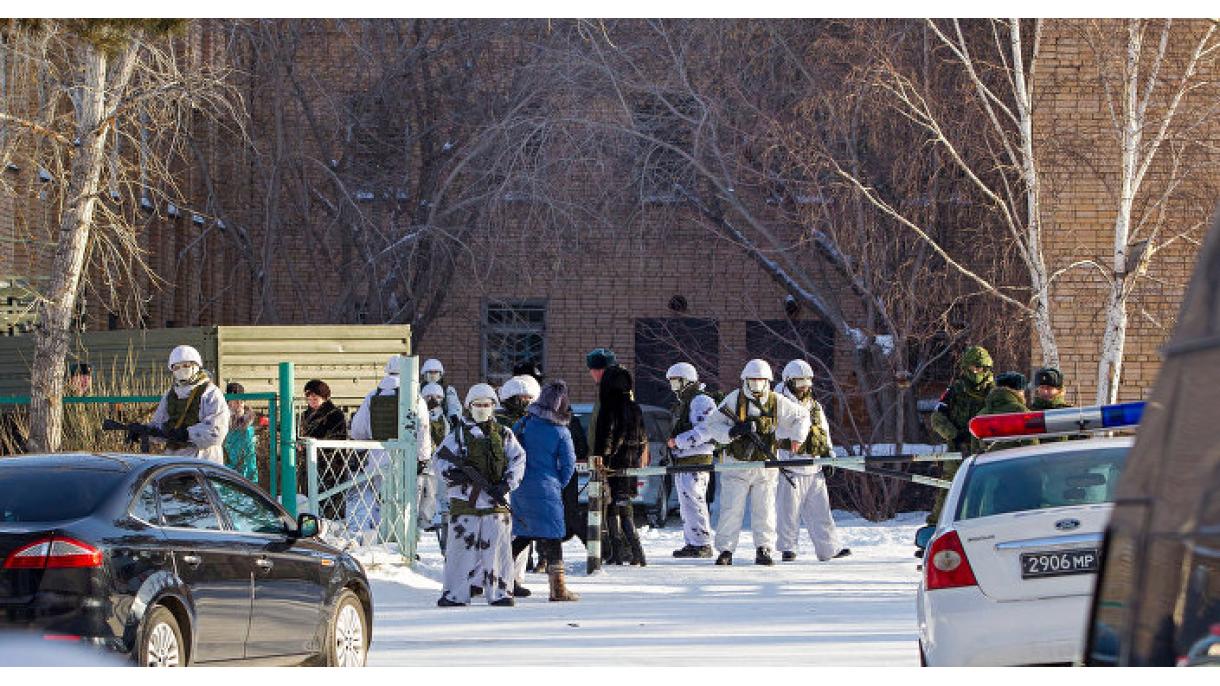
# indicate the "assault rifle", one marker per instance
pixel 136 432
pixel 478 483
pixel 757 441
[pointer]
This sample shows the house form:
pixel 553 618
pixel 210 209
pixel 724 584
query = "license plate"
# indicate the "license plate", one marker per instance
pixel 1059 563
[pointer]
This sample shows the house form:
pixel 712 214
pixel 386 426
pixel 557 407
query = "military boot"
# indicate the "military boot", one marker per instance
pixel 504 602
pixel 725 559
pixel 846 552
pixel 762 556
pixel 694 551
pixel 788 556
pixel 445 602
pixel 520 591
pixel 559 590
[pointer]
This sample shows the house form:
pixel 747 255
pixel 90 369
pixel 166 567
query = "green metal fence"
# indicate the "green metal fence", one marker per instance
pixel 281 455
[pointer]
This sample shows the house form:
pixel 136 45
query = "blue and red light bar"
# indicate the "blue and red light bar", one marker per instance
pixel 1068 420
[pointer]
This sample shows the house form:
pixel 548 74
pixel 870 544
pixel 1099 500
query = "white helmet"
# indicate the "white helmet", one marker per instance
pixel 392 365
pixel 683 370
pixel 432 365
pixel 757 369
pixel 432 391
pixel 797 369
pixel 530 386
pixel 184 353
pixel 480 391
pixel 520 385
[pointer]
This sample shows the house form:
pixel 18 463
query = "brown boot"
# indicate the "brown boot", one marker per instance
pixel 558 590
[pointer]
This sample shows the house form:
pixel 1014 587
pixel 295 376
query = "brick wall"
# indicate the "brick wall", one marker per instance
pixel 1080 153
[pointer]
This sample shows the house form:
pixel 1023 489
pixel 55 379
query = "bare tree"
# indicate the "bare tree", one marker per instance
pixel 116 95
pixel 727 124
pixel 1158 101
pixel 407 181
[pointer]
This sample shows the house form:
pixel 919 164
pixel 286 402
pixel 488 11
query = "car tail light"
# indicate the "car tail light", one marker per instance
pixel 54 553
pixel 946 564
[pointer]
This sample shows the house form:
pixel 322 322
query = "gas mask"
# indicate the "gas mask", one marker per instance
pixel 482 413
pixel 433 402
pixel 977 378
pixel 801 387
pixel 676 385
pixel 434 412
pixel 757 387
pixel 432 377
pixel 518 403
pixel 184 374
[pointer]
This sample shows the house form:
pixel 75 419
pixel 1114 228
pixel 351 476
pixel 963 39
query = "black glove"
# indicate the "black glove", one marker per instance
pixel 136 431
pixel 420 466
pixel 180 435
pixel 456 477
pixel 742 428
pixel 498 490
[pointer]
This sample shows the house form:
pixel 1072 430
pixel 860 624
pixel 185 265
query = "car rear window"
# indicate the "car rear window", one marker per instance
pixel 1036 482
pixel 53 494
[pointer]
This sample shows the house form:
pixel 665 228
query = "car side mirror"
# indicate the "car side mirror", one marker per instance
pixel 923 535
pixel 307 525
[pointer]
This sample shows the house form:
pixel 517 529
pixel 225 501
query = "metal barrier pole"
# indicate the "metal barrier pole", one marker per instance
pixel 593 534
pixel 288 458
pixel 408 432
pixel 311 469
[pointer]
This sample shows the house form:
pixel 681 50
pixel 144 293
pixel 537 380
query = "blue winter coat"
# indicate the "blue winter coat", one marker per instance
pixel 550 461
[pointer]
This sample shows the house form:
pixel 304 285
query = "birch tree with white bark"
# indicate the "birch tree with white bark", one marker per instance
pixel 102 84
pixel 1157 99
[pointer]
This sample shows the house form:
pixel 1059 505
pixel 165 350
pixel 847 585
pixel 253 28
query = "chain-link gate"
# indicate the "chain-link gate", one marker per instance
pixel 366 492
pixel 360 491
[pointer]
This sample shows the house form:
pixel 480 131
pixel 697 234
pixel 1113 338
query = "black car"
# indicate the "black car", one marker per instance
pixel 1157 601
pixel 173 561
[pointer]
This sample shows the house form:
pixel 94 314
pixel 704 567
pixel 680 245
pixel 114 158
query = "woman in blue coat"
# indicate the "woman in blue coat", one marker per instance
pixel 550 461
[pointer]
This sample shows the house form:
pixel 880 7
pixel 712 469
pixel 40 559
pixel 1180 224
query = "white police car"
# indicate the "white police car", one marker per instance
pixel 1009 569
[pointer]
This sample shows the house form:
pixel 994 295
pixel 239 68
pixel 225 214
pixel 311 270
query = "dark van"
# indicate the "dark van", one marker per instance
pixel 1157 601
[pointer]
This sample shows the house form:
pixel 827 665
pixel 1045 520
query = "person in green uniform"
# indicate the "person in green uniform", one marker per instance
pixel 1007 397
pixel 961 401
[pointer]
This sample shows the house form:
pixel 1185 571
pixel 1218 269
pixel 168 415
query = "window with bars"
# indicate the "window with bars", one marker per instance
pixel 514 332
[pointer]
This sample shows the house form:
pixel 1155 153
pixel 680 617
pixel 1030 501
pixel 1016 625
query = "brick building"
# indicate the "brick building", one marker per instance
pixel 663 287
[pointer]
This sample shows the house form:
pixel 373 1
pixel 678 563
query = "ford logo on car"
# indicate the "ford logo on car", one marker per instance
pixel 1067 524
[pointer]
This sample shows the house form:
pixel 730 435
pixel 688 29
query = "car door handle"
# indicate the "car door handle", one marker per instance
pixel 192 560
pixel 264 564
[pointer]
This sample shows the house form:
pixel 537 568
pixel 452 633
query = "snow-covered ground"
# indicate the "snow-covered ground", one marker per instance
pixel 858 610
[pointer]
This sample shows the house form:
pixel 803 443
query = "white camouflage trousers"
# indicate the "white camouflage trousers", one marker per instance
pixel 426 485
pixel 479 553
pixel 805 501
pixel 692 503
pixel 757 485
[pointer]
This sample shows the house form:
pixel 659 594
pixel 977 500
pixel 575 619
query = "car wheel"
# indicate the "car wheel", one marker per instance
pixel 348 634
pixel 161 642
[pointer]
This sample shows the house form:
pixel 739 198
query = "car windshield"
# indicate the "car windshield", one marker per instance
pixel 53 494
pixel 1036 482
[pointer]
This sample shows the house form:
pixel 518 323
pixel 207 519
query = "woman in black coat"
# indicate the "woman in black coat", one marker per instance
pixel 323 421
pixel 620 438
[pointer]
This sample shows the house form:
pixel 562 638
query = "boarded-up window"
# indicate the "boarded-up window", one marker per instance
pixel 666 137
pixel 663 342
pixel 778 341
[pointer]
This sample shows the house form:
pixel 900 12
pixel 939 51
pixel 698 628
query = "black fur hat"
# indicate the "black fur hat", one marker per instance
pixel 1013 380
